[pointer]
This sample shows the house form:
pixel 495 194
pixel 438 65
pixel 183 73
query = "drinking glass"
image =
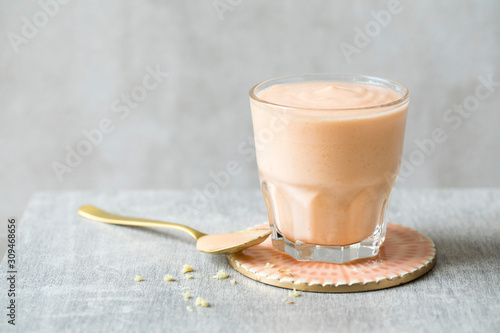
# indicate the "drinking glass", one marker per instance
pixel 327 174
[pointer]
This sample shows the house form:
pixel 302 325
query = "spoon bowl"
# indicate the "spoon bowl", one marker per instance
pixel 232 242
pixel 212 244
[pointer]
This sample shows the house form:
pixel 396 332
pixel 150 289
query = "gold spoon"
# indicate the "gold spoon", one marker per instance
pixel 213 244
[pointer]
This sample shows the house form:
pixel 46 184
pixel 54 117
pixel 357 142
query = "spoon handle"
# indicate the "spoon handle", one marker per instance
pixel 96 214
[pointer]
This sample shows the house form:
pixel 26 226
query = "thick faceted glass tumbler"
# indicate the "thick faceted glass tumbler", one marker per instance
pixel 328 152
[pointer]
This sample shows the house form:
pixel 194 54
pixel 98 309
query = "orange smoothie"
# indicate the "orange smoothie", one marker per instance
pixel 328 155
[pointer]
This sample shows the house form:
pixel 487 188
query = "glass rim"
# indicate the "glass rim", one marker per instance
pixel 331 77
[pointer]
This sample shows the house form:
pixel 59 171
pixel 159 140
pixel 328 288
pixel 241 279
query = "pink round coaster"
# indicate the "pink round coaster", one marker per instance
pixel 405 256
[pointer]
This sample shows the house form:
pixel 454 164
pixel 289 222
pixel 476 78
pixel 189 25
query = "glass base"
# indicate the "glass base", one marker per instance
pixel 367 248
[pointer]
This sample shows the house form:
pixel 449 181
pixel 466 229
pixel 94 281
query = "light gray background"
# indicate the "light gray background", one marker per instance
pixel 64 79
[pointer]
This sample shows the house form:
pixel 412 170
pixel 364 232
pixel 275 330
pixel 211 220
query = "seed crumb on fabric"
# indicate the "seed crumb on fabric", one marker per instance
pixel 186 269
pixel 221 275
pixel 201 302
pixel 294 293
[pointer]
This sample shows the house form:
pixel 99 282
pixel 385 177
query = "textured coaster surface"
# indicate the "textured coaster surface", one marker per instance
pixel 405 256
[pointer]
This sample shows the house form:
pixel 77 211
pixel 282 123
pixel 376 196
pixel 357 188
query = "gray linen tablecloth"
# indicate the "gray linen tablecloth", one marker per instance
pixel 77 275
